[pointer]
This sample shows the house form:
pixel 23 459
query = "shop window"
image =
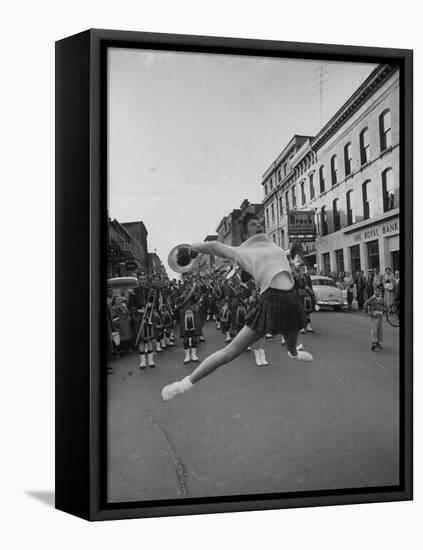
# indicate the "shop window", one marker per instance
pixel 311 178
pixel 336 215
pixel 388 190
pixel 373 255
pixel 350 208
pixel 348 159
pixel 364 146
pixel 355 258
pixel 322 179
pixel 326 263
pixel 385 131
pixel 334 170
pixel 339 258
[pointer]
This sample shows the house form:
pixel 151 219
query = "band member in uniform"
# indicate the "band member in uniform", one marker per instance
pixel 190 320
pixel 303 284
pixel 277 311
pixel 141 305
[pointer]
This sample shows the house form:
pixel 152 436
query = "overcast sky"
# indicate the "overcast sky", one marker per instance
pixel 190 135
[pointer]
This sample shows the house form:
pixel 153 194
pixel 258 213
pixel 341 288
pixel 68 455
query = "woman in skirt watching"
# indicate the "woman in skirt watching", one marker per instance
pixel 277 311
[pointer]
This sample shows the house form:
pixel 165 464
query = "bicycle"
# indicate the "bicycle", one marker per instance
pixel 392 313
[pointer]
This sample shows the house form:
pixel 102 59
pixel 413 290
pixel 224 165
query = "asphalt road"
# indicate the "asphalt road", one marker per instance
pixel 291 426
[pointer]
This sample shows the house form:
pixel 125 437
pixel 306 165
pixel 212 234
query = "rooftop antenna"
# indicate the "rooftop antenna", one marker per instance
pixel 320 79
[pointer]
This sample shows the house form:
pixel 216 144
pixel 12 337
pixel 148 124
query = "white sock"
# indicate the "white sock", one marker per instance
pixel 301 356
pixel 176 388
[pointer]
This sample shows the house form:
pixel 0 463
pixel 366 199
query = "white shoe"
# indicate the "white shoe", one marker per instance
pixel 169 342
pixel 194 356
pixel 150 360
pixel 202 339
pixel 158 348
pixel 228 338
pixel 302 331
pixel 218 327
pixel 308 328
pixel 268 335
pixel 187 357
pixel 257 356
pixel 302 356
pixel 163 344
pixel 208 317
pixel 282 341
pixel 172 390
pixel 263 357
pixel 142 364
pixel 300 347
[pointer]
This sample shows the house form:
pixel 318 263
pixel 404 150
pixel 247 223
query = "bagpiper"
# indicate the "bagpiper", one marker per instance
pixel 190 319
pixel 141 304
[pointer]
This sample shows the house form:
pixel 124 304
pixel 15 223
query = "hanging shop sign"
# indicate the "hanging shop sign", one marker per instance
pixel 301 223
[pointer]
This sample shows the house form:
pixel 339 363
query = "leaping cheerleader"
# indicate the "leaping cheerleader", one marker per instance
pixel 278 310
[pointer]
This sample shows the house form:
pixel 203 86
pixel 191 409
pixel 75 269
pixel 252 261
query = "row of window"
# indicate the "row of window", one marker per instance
pixel 390 201
pixel 388 194
pixel 385 141
pixel 373 258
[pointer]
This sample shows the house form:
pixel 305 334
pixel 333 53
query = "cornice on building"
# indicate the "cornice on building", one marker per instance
pixel 367 88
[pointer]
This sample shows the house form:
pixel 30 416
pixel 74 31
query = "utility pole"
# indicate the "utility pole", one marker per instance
pixel 320 79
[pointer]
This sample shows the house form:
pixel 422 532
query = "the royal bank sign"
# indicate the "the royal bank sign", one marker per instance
pixel 302 224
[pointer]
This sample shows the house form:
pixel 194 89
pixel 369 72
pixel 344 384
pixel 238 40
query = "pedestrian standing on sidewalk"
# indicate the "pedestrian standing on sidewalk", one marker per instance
pixel 122 321
pixel 389 287
pixel 349 286
pixel 375 307
pixel 360 285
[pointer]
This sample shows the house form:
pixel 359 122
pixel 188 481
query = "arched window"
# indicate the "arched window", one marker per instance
pixel 366 200
pixel 385 130
pixel 348 159
pixel 311 178
pixel 334 170
pixel 389 202
pixel 322 178
pixel 336 215
pixel 350 208
pixel 364 146
pixel 324 221
pixel 303 195
pixel 294 197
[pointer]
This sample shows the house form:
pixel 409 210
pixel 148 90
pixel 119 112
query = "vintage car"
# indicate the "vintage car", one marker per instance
pixel 327 293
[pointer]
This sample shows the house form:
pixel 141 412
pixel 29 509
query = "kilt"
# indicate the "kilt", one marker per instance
pixel 196 331
pixel 276 312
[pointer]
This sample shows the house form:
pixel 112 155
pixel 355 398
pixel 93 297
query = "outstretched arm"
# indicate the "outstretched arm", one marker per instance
pixel 215 248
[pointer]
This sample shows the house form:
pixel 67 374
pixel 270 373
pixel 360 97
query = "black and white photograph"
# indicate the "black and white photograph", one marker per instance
pixel 253 275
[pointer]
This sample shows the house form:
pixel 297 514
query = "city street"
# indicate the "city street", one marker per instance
pixel 290 426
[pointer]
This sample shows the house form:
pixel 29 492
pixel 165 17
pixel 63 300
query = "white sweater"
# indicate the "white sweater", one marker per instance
pixel 259 256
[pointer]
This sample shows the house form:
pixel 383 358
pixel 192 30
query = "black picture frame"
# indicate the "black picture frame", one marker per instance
pixel 81 95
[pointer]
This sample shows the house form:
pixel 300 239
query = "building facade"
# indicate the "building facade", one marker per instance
pixel 123 250
pixel 229 228
pixel 280 195
pixel 348 175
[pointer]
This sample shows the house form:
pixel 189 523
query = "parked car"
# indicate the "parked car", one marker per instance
pixel 327 293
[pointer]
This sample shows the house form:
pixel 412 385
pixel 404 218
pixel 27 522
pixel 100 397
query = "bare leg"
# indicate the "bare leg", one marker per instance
pixel 243 339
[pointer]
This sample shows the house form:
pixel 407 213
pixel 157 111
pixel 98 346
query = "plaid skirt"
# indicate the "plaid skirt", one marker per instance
pixel 276 312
